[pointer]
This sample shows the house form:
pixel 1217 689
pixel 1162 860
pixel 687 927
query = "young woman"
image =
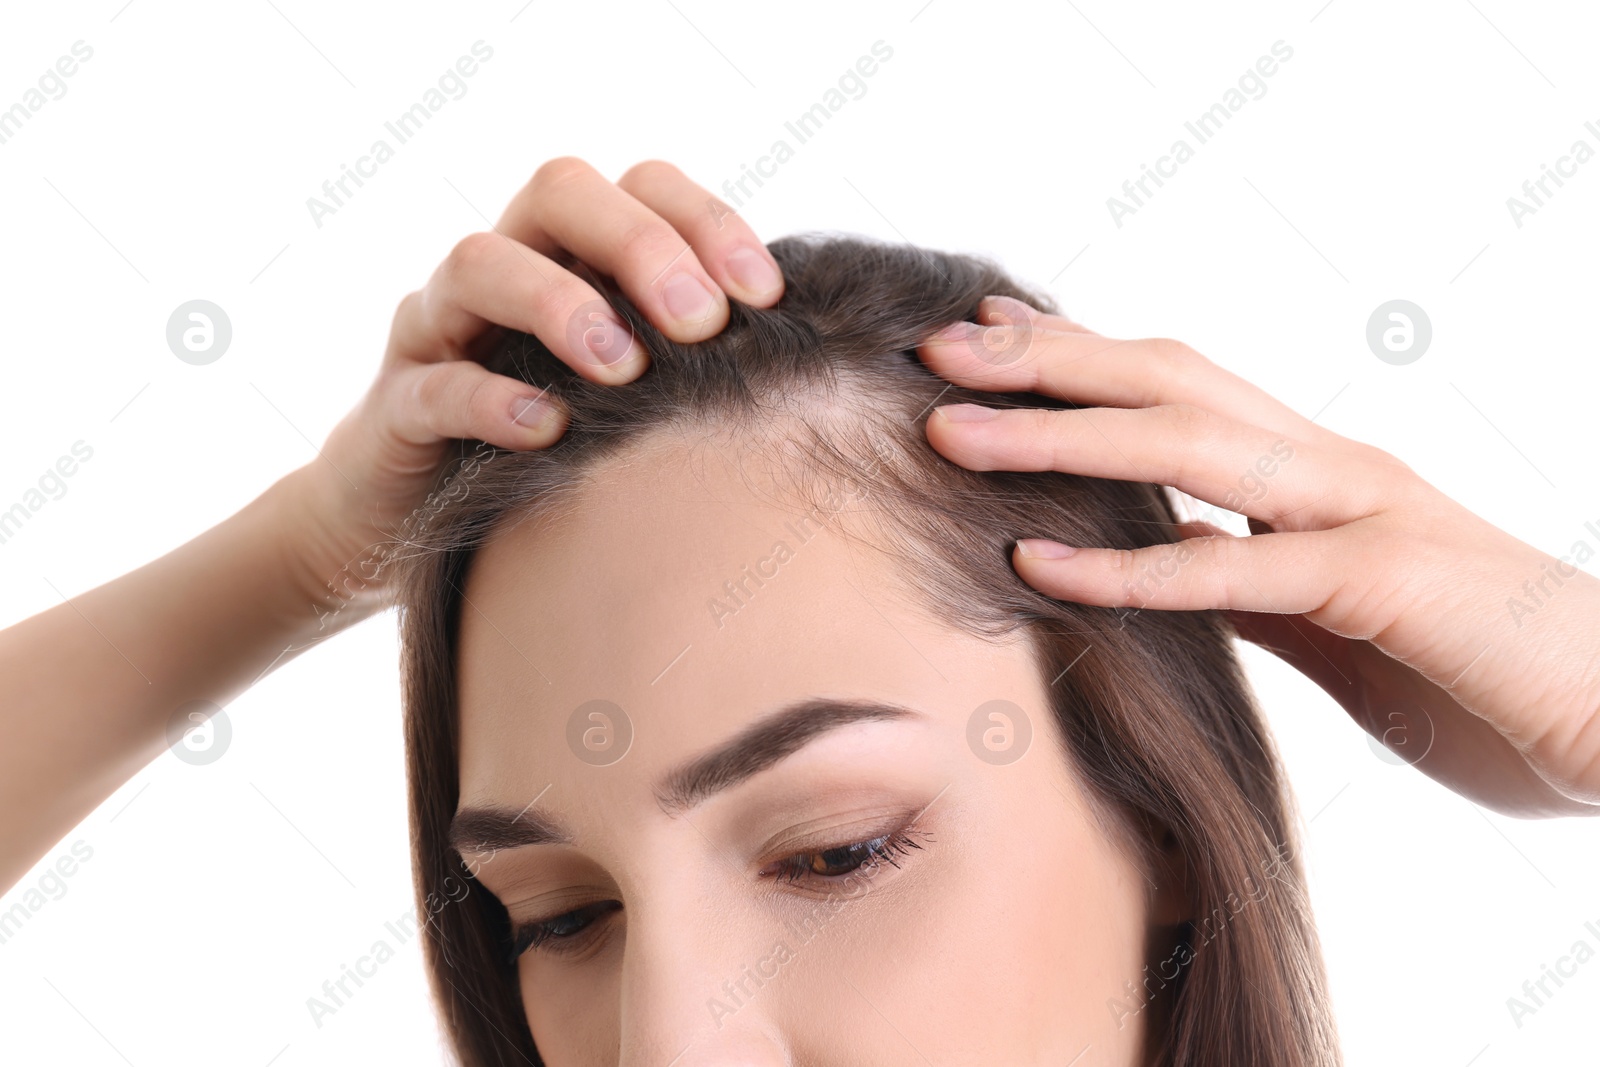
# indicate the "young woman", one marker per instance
pixel 754 713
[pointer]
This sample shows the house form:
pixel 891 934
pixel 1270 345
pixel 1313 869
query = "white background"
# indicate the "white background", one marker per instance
pixel 178 164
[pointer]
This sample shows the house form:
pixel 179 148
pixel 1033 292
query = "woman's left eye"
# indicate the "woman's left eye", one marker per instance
pixel 841 860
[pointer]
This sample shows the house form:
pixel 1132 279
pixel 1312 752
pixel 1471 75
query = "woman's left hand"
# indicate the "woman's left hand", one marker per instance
pixel 1469 653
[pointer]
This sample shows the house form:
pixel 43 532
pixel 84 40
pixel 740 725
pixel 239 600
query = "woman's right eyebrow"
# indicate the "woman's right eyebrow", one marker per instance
pixel 489 829
pixel 764 743
pixel 756 748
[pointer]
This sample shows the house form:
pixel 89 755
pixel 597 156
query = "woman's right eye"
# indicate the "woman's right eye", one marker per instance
pixel 561 933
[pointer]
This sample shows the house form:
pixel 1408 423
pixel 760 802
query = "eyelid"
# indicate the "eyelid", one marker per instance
pixel 523 933
pixel 899 830
pixel 788 843
pixel 553 904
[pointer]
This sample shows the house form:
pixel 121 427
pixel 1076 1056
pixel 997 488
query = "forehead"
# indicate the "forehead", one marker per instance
pixel 688 587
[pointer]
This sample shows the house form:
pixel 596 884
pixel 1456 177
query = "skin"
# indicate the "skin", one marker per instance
pixel 1469 653
pixel 93 682
pixel 1018 906
pixel 1370 581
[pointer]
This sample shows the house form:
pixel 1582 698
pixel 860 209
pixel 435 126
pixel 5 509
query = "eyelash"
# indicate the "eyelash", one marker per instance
pixel 881 849
pixel 790 870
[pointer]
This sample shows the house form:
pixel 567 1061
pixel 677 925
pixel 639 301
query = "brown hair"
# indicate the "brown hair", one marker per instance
pixel 1158 721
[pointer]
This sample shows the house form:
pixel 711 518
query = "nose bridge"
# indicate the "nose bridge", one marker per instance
pixel 699 976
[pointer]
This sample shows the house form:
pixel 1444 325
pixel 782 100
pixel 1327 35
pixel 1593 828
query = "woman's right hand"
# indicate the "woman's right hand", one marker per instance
pixel 677 251
pixel 105 682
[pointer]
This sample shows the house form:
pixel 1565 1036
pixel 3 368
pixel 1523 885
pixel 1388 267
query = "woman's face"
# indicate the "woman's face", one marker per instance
pixel 682 704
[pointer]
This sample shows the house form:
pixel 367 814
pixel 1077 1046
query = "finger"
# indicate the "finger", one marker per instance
pixel 1024 354
pixel 724 242
pixel 1201 529
pixel 461 399
pixel 1007 311
pixel 1304 644
pixel 489 279
pixel 1286 573
pixel 570 206
pixel 1233 465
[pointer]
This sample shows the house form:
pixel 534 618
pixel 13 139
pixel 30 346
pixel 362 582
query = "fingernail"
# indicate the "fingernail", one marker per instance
pixel 754 272
pixel 531 413
pixel 957 331
pixel 967 412
pixel 1039 548
pixel 1010 309
pixel 604 335
pixel 687 298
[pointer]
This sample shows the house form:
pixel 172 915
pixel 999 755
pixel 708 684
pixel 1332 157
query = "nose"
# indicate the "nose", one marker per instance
pixel 743 1047
pixel 699 989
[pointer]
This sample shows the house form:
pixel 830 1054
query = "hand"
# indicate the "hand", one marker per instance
pixel 1388 594
pixel 675 250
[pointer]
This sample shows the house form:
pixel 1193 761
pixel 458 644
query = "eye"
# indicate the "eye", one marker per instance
pixel 561 934
pixel 566 932
pixel 841 860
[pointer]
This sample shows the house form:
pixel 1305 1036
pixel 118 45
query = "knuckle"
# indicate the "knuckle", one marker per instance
pixel 1187 421
pixel 406 311
pixel 561 301
pixel 1122 562
pixel 479 399
pixel 1122 570
pixel 471 253
pixel 1052 433
pixel 1385 458
pixel 651 241
pixel 1221 551
pixel 1171 352
pixel 649 174
pixel 431 388
pixel 563 170
pixel 1173 362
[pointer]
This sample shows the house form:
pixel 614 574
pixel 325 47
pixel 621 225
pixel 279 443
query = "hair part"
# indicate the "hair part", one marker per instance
pixel 1153 709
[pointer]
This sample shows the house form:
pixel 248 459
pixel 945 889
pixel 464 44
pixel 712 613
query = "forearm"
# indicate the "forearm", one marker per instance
pixel 92 683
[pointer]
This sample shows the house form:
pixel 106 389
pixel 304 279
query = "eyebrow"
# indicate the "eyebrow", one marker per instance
pixel 754 749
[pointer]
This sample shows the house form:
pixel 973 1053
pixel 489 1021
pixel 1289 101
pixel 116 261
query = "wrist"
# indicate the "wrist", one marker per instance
pixel 329 575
